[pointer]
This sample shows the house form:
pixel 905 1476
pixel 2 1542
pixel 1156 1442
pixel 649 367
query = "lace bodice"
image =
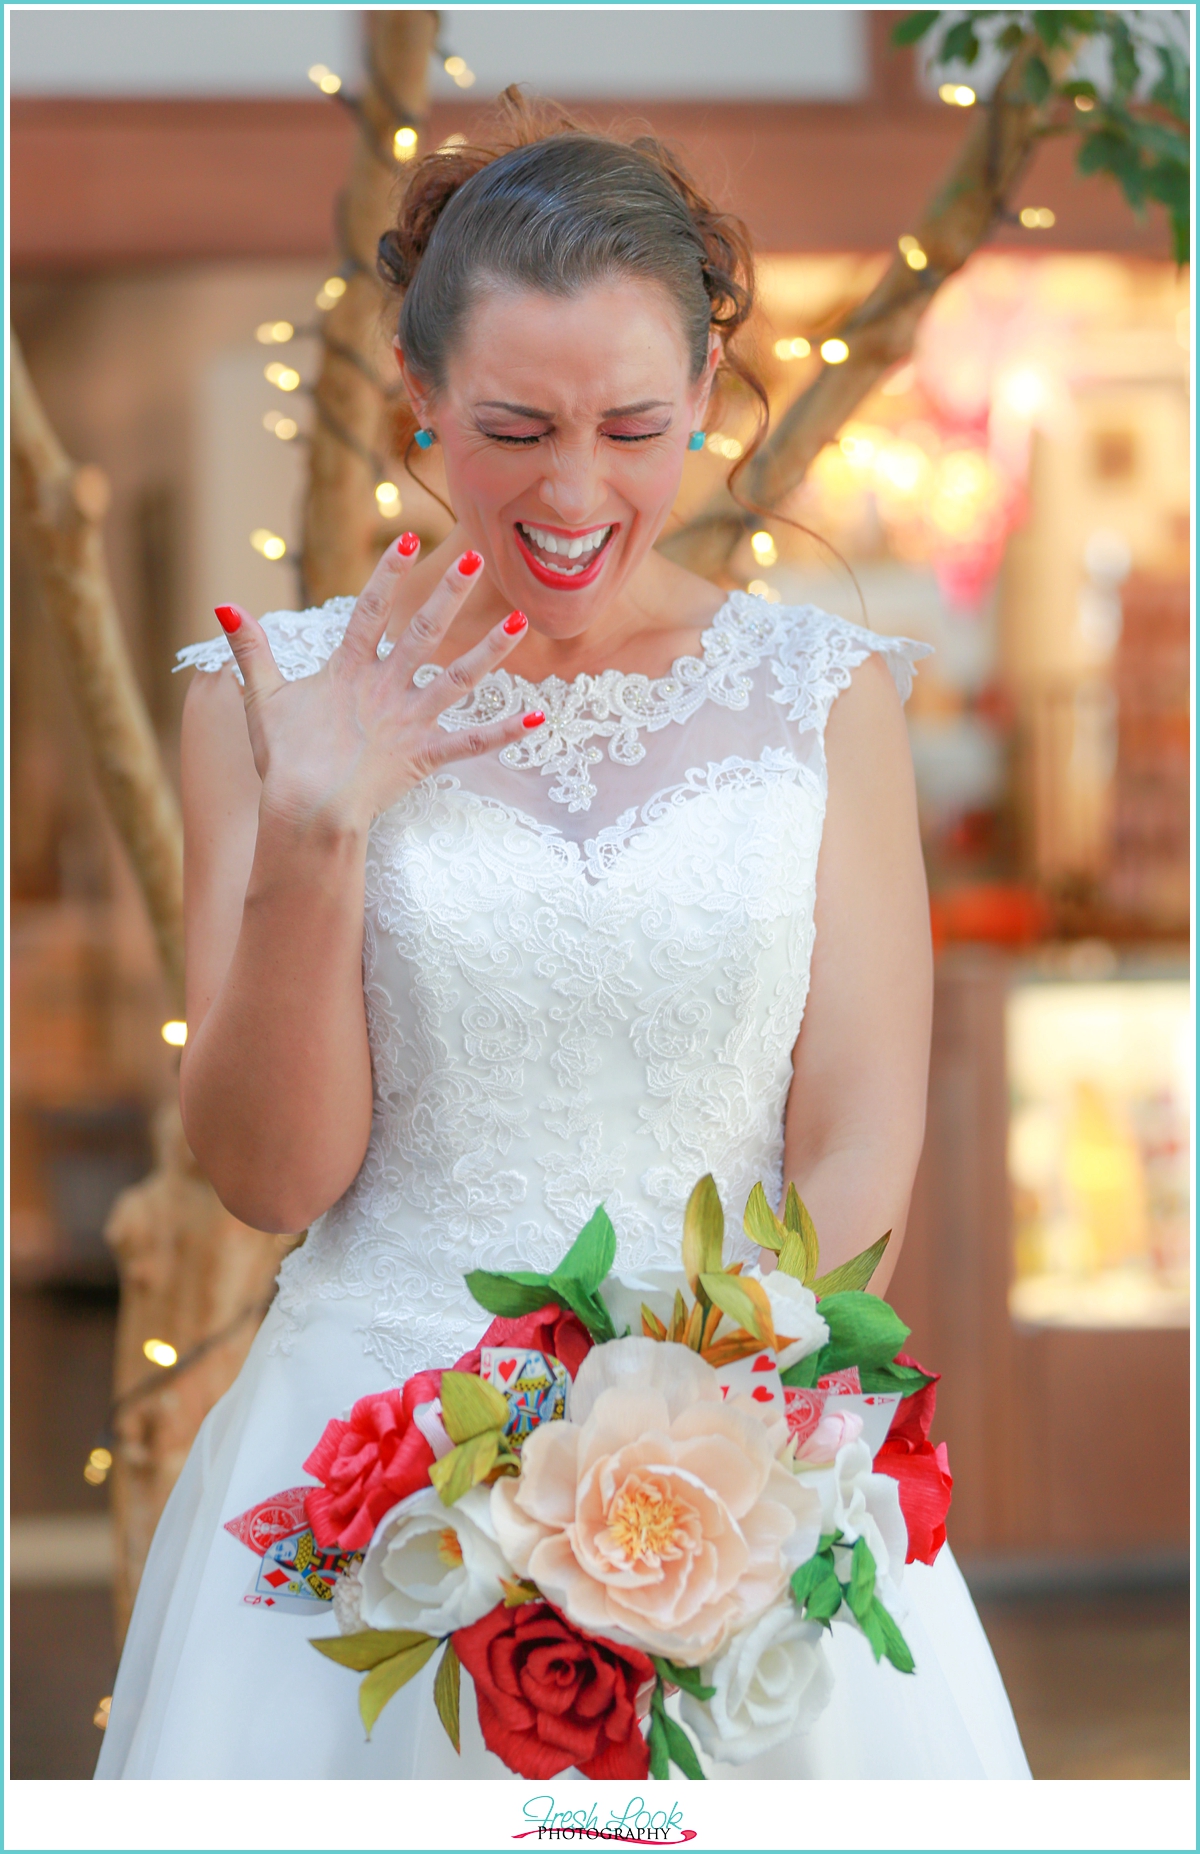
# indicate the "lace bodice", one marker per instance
pixel 585 963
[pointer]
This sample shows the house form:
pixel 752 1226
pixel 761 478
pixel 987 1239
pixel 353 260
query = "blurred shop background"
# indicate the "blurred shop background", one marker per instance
pixel 1018 494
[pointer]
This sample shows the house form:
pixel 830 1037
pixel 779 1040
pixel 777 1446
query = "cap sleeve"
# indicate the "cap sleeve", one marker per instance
pixel 816 654
pixel 300 641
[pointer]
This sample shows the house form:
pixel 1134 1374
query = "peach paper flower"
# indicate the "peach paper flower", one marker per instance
pixel 657 1516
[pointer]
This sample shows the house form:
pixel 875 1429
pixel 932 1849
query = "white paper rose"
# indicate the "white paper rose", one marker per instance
pixel 433 1567
pixel 624 1296
pixel 794 1312
pixel 772 1681
pixel 859 1504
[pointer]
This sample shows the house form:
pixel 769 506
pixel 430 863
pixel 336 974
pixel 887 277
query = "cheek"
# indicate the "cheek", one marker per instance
pixel 653 481
pixel 487 478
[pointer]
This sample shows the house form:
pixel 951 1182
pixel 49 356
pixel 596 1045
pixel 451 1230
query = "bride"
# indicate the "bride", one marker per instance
pixel 542 874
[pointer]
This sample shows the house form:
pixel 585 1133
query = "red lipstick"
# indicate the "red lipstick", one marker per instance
pixel 563 582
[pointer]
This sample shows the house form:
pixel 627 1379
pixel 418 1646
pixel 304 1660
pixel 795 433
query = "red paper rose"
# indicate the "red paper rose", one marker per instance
pixel 922 1472
pixel 550 1697
pixel 368 1464
pixel 552 1329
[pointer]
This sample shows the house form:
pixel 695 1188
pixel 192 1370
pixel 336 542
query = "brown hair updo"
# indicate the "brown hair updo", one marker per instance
pixel 555 207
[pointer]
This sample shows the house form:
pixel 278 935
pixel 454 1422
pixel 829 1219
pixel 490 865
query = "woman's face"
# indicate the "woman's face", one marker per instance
pixel 563 423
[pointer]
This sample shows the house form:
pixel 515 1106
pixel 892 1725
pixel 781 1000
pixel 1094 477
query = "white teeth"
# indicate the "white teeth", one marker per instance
pixel 559 544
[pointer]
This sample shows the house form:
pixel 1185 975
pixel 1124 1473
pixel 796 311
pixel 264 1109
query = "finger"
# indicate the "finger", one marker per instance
pixel 252 653
pixel 430 624
pixel 375 606
pixel 459 678
pixel 469 743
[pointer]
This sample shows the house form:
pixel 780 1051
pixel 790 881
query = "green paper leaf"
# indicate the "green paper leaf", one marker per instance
pixel 903 1378
pixel 592 1253
pixel 465 1466
pixel 801 1255
pixel 470 1407
pixel 703 1234
pixel 509 1295
pixel 446 1694
pixel 587 1307
pixel 812 1572
pixel 739 1299
pixel 660 1759
pixel 760 1222
pixel 802 1375
pixel 388 1678
pixel 366 1650
pixel 863 1330
pixel 861 1592
pixel 681 1749
pixel 687 1678
pixel 880 1628
pixel 913 28
pixel 825 1598
pixel 855 1273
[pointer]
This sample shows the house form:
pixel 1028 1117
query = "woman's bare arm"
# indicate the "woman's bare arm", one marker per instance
pixel 856 1110
pixel 282 781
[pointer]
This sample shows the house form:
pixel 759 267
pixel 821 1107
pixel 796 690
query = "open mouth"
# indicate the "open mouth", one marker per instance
pixel 560 559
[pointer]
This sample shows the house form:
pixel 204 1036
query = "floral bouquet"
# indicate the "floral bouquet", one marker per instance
pixel 634 1485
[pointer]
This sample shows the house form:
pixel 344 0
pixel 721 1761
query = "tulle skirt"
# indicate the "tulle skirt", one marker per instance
pixel 210 1686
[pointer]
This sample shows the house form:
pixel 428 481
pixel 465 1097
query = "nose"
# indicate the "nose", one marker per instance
pixel 573 488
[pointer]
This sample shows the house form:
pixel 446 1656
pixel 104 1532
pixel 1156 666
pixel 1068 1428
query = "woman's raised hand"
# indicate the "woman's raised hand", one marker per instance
pixel 340 747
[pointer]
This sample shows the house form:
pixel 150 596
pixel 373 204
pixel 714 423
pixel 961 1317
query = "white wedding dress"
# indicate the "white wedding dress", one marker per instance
pixel 585 964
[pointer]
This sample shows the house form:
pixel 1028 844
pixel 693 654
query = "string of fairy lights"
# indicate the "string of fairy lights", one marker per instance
pixel 285 378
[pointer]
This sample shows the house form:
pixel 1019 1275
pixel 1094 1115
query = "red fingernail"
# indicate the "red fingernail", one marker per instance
pixel 470 563
pixel 534 720
pixel 516 621
pixel 408 544
pixel 229 617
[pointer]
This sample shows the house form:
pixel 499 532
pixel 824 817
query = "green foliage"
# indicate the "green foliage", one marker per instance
pixel 820 1594
pixel 389 1658
pixel 863 1331
pixel 470 1407
pixel 855 1273
pixel 669 1743
pixel 573 1284
pixel 446 1694
pixel 686 1677
pixel 1140 141
pixel 703 1236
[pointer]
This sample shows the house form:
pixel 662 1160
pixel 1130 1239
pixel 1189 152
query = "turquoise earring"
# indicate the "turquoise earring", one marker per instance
pixel 696 441
pixel 425 439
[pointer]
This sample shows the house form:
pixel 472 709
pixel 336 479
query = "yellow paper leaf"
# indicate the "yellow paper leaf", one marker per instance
pixel 518 1590
pixel 652 1326
pixel 369 1648
pixel 465 1466
pixel 800 1224
pixel 733 1346
pixel 388 1678
pixel 703 1232
pixel 694 1329
pixel 760 1222
pixel 856 1273
pixel 678 1318
pixel 470 1407
pixel 445 1694
pixel 745 1302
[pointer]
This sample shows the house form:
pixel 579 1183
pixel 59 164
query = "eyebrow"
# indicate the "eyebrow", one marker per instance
pixel 505 405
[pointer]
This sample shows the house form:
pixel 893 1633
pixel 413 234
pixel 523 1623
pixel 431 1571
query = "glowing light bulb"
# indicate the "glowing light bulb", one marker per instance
pixel 174 1032
pixel 1085 104
pixel 834 352
pixel 961 95
pixel 285 378
pixel 388 498
pixel 100 1716
pixel 98 1464
pixel 269 545
pixel 404 147
pixel 160 1353
pixel 458 69
pixel 267 332
pixel 761 590
pixel 795 349
pixel 762 546
pixel 914 256
pixel 1036 218
pixel 1023 391
pixel 282 427
pixel 327 81
pixel 330 292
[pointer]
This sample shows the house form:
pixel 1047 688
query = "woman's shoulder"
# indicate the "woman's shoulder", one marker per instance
pixel 300 641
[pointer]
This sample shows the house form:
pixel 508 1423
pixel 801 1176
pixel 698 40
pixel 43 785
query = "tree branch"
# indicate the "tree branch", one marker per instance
pixel 881 330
